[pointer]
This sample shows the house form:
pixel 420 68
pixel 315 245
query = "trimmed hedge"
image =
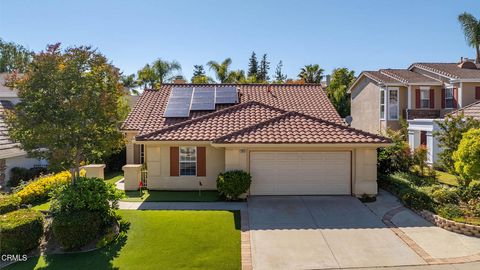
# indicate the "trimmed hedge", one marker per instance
pixel 38 191
pixel 21 231
pixel 75 230
pixel 9 203
pixel 232 184
pixel 19 174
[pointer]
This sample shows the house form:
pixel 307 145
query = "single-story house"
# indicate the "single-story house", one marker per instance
pixel 289 137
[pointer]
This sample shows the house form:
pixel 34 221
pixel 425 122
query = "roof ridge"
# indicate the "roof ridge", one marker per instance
pixel 295 113
pixel 210 115
pixel 465 107
pixel 423 66
pixel 393 76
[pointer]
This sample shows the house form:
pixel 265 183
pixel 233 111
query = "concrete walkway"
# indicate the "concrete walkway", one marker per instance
pixel 182 205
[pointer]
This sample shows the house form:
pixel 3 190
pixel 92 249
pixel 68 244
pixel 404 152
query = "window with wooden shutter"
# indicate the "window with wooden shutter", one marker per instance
pixel 455 98
pixel 201 161
pixel 477 92
pixel 432 98
pixel 417 99
pixel 174 161
pixel 443 98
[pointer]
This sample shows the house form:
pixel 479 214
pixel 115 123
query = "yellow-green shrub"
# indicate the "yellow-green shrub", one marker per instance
pixel 38 190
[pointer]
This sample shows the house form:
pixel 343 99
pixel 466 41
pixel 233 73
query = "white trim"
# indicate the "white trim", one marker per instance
pixel 464 80
pixel 385 94
pixel 180 160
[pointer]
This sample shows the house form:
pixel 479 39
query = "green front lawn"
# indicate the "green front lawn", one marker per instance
pixel 43 206
pixel 446 178
pixel 113 177
pixel 171 196
pixel 160 240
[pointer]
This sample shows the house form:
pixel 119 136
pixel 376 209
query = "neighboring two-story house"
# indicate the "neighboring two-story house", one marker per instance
pixel 423 94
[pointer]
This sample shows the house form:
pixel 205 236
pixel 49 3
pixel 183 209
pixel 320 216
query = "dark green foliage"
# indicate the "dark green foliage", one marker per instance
pixel 279 76
pixel 311 74
pixel 450 211
pixel 9 203
pixel 450 135
pixel 19 174
pixel 76 229
pixel 86 194
pixel 395 158
pixel 337 90
pixel 416 199
pixel 252 66
pixel 469 192
pixel 14 57
pixel 20 231
pixel 263 70
pixel 115 162
pixel 232 184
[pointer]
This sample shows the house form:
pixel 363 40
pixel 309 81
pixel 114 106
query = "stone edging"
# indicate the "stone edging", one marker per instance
pixel 245 246
pixel 387 220
pixel 450 225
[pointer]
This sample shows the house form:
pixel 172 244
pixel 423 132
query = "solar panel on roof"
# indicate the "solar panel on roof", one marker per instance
pixel 179 102
pixel 226 95
pixel 203 98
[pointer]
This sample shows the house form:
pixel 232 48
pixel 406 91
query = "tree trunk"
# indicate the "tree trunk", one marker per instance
pixel 478 54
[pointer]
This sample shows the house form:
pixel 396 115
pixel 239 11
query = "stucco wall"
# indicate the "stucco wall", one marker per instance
pixel 365 108
pixel 365 172
pixel 22 161
pixel 158 165
pixel 468 93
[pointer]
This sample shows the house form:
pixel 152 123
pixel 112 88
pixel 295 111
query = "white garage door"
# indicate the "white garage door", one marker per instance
pixel 300 173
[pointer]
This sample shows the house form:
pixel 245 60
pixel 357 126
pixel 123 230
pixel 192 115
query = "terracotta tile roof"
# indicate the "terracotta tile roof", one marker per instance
pixel 380 77
pixel 451 70
pixel 147 115
pixel 294 127
pixel 213 125
pixel 406 76
pixel 472 110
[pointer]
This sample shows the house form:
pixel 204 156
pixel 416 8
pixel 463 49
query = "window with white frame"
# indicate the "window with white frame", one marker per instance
pixel 188 160
pixel 425 98
pixel 382 104
pixel 393 113
pixel 449 98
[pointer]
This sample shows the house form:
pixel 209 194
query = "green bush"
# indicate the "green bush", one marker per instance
pixel 416 200
pixel 232 184
pixel 395 158
pixel 467 156
pixel 445 195
pixel 450 211
pixel 20 174
pixel 20 231
pixel 9 203
pixel 38 191
pixel 417 180
pixel 86 194
pixel 469 192
pixel 75 230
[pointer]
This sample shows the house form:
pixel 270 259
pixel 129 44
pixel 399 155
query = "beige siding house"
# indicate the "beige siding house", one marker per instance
pixel 422 94
pixel 288 137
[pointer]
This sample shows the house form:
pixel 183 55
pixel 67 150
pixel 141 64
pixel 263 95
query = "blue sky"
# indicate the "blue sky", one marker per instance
pixel 360 35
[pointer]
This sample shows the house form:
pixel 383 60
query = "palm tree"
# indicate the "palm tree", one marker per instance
pixel 221 70
pixel 236 76
pixel 311 74
pixel 471 30
pixel 158 72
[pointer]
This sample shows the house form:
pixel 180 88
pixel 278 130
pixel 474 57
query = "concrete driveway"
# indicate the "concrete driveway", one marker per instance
pixel 318 232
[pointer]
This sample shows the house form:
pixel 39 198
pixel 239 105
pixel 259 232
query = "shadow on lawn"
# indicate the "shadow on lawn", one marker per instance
pixel 97 259
pixel 172 196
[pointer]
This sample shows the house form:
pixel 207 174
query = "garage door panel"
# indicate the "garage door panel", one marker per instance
pixel 297 173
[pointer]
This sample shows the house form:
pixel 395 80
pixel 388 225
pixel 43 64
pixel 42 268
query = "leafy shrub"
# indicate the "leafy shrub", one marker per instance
pixel 469 192
pixel 20 174
pixel 467 156
pixel 21 231
pixel 38 191
pixel 419 159
pixel 450 211
pixel 445 195
pixel 417 180
pixel 86 194
pixel 395 158
pixel 9 203
pixel 232 184
pixel 416 199
pixel 75 230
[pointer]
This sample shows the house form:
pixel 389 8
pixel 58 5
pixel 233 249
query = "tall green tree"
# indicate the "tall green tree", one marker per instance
pixel 222 72
pixel 129 82
pixel 252 66
pixel 471 30
pixel 449 136
pixel 157 73
pixel 337 91
pixel 199 75
pixel 14 57
pixel 279 76
pixel 263 70
pixel 311 74
pixel 71 104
